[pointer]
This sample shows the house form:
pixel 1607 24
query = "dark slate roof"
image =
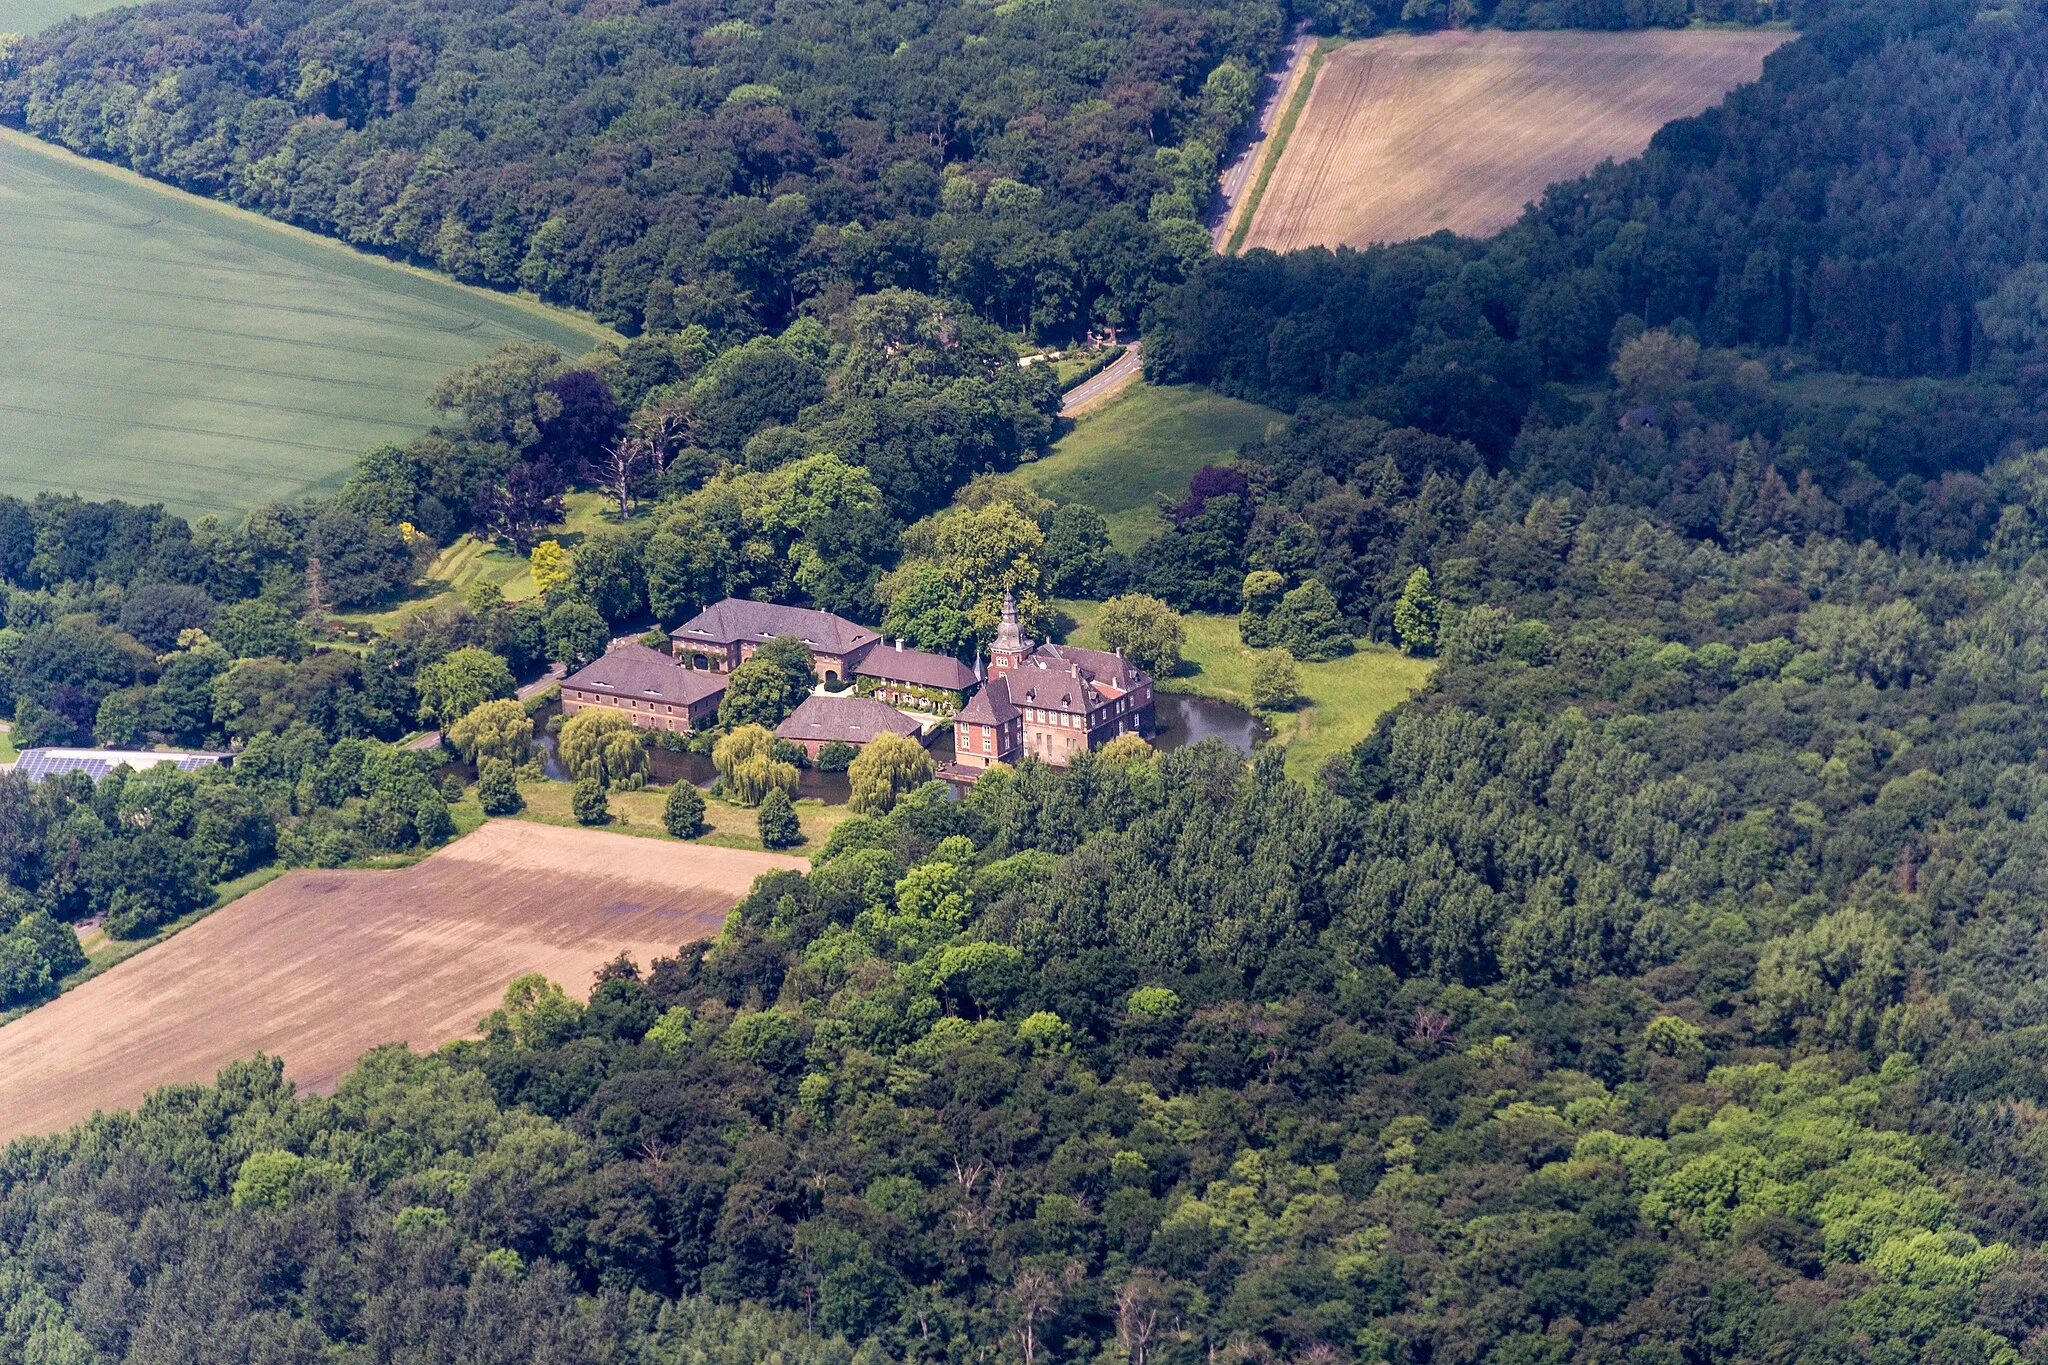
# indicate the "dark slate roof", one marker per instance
pixel 1096 665
pixel 738 618
pixel 851 720
pixel 646 675
pixel 990 706
pixel 892 663
pixel 1051 686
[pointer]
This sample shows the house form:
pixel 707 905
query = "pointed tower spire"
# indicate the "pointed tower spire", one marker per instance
pixel 1012 647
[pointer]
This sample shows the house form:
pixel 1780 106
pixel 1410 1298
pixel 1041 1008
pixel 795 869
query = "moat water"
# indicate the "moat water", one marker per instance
pixel 1183 720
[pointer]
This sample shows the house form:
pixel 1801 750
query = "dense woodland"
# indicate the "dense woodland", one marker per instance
pixel 1659 986
pixel 669 165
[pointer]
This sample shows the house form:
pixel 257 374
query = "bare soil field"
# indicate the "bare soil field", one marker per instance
pixel 1409 135
pixel 319 967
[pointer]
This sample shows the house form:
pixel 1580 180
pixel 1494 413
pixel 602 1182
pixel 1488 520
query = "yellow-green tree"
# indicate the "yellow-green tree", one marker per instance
pixel 497 729
pixel 887 768
pixel 602 745
pixel 551 566
pixel 745 759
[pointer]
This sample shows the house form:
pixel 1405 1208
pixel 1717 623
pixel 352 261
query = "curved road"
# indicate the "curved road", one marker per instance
pixel 1082 396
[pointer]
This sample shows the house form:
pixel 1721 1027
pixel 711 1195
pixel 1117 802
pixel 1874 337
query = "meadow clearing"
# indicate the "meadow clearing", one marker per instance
pixel 155 346
pixel 1407 135
pixel 1340 699
pixel 1149 441
pixel 319 966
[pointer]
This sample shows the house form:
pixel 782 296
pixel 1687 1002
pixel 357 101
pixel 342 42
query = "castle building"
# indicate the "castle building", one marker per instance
pixel 1049 702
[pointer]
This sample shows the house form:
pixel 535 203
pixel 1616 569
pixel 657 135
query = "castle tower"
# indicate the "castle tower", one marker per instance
pixel 1012 647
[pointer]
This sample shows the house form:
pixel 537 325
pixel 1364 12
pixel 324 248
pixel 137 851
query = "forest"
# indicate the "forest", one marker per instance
pixel 669 165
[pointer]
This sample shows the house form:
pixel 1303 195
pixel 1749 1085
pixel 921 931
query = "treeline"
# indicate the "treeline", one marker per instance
pixel 1703 442
pixel 1364 18
pixel 664 166
pixel 1865 203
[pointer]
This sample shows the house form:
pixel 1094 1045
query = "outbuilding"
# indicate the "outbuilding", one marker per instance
pixel 823 720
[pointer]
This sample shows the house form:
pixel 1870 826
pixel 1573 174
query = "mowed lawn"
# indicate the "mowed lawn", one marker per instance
pixel 725 825
pixel 1152 440
pixel 155 346
pixel 1341 698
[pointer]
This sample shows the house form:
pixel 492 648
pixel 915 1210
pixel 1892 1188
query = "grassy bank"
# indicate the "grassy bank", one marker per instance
pixel 1341 699
pixel 1150 441
pixel 639 813
pixel 1275 148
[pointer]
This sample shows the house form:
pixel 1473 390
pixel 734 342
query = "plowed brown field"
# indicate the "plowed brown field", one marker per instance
pixel 1405 136
pixel 319 967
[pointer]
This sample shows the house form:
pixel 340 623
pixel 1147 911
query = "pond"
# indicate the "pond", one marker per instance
pixel 664 768
pixel 1185 720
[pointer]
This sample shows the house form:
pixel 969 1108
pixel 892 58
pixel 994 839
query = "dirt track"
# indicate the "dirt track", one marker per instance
pixel 318 967
pixel 1405 136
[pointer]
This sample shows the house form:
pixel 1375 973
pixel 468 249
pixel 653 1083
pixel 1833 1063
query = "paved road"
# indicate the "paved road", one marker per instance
pixel 1237 175
pixel 1125 369
pixel 432 738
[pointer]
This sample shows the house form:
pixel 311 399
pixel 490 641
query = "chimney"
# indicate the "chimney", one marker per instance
pixel 899 644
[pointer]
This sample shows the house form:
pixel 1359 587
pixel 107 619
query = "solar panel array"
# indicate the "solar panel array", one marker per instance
pixel 37 764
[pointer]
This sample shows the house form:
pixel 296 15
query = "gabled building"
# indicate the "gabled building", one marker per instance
pixel 652 688
pixel 1050 702
pixel 725 635
pixel 903 676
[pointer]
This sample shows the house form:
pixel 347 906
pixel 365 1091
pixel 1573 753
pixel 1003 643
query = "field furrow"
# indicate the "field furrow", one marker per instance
pixel 1404 136
pixel 318 967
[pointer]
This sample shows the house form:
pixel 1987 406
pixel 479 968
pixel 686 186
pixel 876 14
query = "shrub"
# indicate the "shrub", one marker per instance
pixel 836 756
pixel 683 813
pixel 777 821
pixel 497 787
pixel 1276 686
pixel 588 800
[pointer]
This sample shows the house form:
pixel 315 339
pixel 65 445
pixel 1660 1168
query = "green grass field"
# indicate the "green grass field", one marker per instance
pixel 1152 440
pixel 31 16
pixel 155 346
pixel 1341 698
pixel 726 825
pixel 468 561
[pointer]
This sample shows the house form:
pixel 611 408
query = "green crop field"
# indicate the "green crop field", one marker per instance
pixel 30 16
pixel 155 346
pixel 1152 440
